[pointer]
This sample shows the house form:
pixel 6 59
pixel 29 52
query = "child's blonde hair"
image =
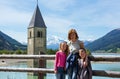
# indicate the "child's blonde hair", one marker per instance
pixel 60 45
pixel 66 51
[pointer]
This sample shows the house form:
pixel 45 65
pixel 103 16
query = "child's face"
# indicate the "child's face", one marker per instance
pixel 63 46
pixel 82 53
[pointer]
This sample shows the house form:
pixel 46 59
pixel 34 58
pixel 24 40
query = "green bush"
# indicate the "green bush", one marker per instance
pixel 51 51
pixel 13 52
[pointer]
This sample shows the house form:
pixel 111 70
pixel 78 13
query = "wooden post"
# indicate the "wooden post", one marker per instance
pixel 42 64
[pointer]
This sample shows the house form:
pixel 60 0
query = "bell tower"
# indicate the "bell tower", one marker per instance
pixel 36 33
pixel 36 37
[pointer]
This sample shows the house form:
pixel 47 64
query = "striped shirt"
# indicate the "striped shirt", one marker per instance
pixel 74 46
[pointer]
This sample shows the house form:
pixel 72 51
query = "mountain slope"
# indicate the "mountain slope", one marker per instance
pixel 4 44
pixel 9 39
pixel 8 43
pixel 110 41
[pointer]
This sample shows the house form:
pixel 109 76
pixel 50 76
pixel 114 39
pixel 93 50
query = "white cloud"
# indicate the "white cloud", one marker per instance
pixel 14 17
pixel 58 5
pixel 61 16
pixel 104 13
pixel 57 25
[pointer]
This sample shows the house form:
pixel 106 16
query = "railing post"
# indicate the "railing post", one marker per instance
pixel 42 64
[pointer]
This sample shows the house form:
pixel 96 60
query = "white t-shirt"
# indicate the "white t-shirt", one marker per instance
pixel 74 46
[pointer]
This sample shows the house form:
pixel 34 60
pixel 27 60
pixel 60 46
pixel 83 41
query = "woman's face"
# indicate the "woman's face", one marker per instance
pixel 72 36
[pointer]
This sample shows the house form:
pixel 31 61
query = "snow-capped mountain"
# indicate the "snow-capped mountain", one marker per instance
pixel 87 42
pixel 24 43
pixel 54 41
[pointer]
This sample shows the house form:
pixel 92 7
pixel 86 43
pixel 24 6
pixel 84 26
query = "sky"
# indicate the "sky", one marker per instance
pixel 92 19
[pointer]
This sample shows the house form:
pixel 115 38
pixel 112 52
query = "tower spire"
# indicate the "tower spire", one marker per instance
pixel 37 2
pixel 37 19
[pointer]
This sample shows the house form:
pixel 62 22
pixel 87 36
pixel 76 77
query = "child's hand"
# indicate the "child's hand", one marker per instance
pixel 55 71
pixel 85 64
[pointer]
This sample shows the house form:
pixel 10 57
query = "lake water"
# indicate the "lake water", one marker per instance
pixel 111 66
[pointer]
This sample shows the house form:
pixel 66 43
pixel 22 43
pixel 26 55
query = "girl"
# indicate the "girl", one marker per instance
pixel 60 61
pixel 74 45
pixel 85 72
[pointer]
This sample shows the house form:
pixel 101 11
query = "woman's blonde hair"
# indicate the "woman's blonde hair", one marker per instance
pixel 72 31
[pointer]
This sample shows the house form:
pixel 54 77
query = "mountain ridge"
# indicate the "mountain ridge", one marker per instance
pixel 109 41
pixel 8 43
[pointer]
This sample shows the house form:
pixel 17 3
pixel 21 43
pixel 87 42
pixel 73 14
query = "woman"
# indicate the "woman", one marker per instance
pixel 74 45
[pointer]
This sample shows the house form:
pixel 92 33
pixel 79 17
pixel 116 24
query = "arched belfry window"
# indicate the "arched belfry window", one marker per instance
pixel 30 34
pixel 39 34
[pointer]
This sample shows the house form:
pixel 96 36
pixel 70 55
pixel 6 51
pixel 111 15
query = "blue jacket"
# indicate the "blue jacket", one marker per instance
pixel 71 60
